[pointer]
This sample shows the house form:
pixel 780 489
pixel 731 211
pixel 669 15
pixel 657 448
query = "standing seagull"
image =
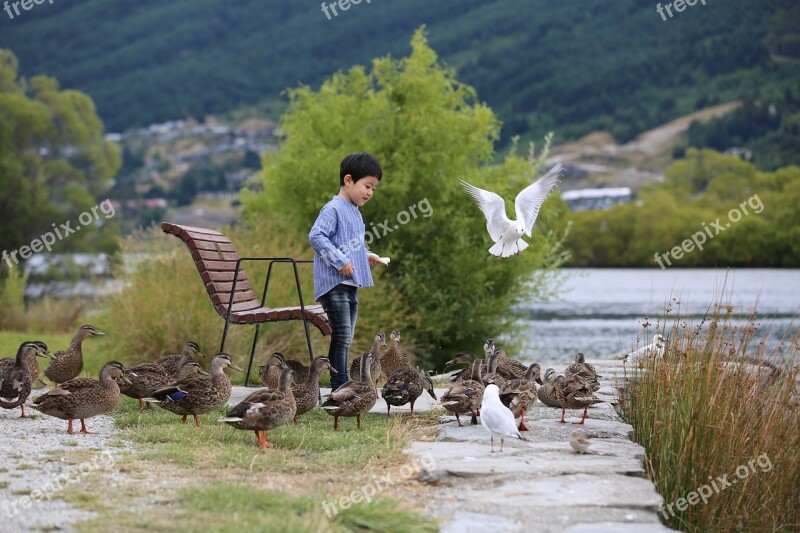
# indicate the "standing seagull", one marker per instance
pixel 507 234
pixel 496 417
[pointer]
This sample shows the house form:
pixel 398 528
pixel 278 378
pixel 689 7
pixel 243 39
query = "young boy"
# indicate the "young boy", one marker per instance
pixel 341 264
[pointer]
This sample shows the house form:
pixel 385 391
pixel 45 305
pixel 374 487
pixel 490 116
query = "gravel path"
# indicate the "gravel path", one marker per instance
pixel 40 462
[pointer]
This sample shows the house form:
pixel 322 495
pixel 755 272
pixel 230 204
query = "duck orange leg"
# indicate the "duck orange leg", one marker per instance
pixel 83 428
pixel 23 411
pixel 336 422
pixel 458 420
pixel 196 420
pixel 412 410
pixel 141 404
pixel 69 428
pixel 522 426
pixel 184 418
pixel 263 443
pixel 295 420
pixel 149 406
pixel 388 408
pixel 358 419
pixel 563 410
pixel 585 409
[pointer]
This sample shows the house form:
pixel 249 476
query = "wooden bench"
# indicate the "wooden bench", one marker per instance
pixel 231 292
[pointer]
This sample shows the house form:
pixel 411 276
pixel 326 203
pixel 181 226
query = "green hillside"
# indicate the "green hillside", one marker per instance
pixel 573 67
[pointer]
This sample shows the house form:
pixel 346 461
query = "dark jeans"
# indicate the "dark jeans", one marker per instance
pixel 341 306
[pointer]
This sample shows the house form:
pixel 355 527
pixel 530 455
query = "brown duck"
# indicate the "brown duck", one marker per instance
pixel 67 364
pixel 583 369
pixel 146 378
pixel 405 386
pixel 393 358
pixel 16 380
pixel 375 369
pixel 519 395
pixel 173 363
pixel 265 409
pixel 271 373
pixel 33 365
pixel 355 397
pixel 306 394
pixel 465 396
pixel 83 398
pixel 197 395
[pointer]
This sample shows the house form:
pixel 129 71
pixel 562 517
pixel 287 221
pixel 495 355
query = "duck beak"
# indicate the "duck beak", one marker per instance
pixel 98 332
pixel 126 380
pixel 236 367
pixel 203 372
pixel 451 362
pixel 539 381
pixel 333 370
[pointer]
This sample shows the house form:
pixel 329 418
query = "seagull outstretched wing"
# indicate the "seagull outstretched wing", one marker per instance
pixel 493 207
pixel 531 198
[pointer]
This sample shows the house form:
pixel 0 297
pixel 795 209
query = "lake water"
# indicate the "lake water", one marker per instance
pixel 600 311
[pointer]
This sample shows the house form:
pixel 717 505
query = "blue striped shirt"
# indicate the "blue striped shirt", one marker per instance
pixel 338 238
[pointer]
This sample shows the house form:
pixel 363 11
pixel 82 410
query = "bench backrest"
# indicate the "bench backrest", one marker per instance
pixel 215 258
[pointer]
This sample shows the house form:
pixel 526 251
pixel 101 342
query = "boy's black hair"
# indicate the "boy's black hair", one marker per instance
pixel 359 165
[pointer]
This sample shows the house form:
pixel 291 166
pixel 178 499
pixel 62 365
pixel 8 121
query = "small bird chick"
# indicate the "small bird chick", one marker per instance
pixel 578 442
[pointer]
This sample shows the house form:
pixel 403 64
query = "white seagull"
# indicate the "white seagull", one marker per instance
pixel 651 350
pixel 497 418
pixel 506 233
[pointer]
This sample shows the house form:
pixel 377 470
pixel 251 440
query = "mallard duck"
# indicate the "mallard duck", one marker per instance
pixel 147 378
pixel 265 409
pixel 492 376
pixel 393 358
pixel 519 395
pixel 173 363
pixel 355 397
pixel 488 350
pixel 67 364
pixel 465 396
pixel 547 392
pixel 573 392
pixel 33 367
pixel 583 369
pixel 496 418
pixel 405 386
pixel 197 395
pixel 271 374
pixel 509 368
pixel 83 398
pixel 306 394
pixel 16 380
pixel 375 368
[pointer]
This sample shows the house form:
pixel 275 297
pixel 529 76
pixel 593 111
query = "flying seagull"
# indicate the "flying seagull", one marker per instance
pixel 507 234
pixel 497 418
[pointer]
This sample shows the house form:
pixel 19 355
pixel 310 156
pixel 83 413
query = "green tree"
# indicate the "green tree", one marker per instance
pixel 427 130
pixel 54 162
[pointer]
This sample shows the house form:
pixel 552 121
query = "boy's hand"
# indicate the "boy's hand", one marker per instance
pixel 373 260
pixel 347 270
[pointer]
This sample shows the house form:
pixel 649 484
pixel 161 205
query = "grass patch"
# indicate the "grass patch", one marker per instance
pixel 219 480
pixel 4 484
pixel 701 413
pixel 21 492
pixel 230 507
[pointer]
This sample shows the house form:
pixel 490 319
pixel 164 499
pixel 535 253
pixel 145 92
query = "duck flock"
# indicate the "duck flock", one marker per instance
pixel 497 389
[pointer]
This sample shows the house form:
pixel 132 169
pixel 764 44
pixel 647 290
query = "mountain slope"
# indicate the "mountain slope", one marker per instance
pixel 573 67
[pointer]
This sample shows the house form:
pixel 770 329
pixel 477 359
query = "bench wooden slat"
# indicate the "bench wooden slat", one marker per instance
pixel 186 235
pixel 222 298
pixel 216 286
pixel 205 265
pixel 213 255
pixel 208 245
pixel 211 275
